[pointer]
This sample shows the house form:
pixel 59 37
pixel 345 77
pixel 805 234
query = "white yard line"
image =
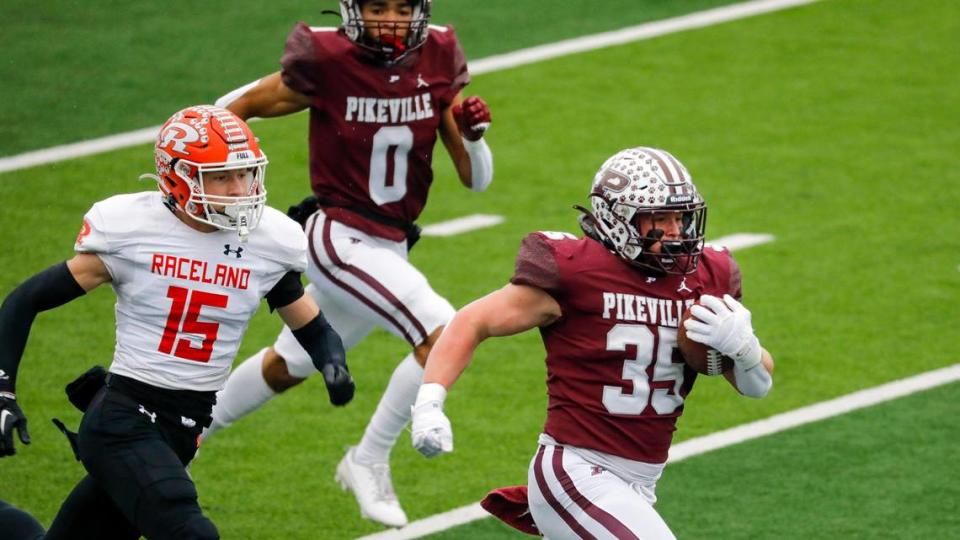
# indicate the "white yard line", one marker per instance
pixel 737 241
pixel 721 439
pixel 699 19
pixel 462 225
pixel 484 65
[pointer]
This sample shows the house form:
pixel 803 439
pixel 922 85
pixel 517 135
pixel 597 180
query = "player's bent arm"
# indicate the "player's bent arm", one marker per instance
pixel 316 336
pixel 472 159
pixel 756 381
pixel 264 98
pixel 507 311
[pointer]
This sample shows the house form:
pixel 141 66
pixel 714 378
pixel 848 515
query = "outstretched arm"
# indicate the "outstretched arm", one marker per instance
pixel 264 98
pixel 510 310
pixel 48 289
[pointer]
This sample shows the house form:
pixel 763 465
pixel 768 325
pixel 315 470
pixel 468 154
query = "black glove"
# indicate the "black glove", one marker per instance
pixel 302 211
pixel 339 383
pixel 11 417
pixel 336 375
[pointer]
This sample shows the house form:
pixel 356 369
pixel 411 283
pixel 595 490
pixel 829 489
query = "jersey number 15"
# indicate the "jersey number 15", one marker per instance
pixel 185 300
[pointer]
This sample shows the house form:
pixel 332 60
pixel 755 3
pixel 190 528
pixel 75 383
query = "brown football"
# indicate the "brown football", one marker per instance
pixel 698 356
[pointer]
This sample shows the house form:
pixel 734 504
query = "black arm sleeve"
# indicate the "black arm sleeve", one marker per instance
pixel 287 291
pixel 321 342
pixel 50 288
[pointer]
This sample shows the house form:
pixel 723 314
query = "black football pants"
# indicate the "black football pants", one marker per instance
pixel 136 483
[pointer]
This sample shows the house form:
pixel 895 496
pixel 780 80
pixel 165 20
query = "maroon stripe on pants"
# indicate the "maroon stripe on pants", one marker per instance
pixel 366 301
pixel 601 516
pixel 552 501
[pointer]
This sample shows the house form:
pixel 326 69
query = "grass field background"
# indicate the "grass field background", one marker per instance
pixel 831 126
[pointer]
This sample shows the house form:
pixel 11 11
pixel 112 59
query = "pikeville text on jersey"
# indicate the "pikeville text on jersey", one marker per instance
pixel 615 379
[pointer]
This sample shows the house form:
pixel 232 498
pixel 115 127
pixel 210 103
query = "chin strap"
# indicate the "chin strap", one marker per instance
pixel 243 225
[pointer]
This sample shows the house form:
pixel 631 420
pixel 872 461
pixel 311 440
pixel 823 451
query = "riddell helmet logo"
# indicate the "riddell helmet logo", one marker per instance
pixel 179 134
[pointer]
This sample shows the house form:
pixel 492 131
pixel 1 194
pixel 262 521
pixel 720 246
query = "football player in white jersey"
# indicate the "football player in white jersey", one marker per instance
pixel 190 265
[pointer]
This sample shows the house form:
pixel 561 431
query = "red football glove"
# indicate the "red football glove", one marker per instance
pixel 473 118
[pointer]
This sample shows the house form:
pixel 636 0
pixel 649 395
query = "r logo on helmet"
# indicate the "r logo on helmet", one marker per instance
pixel 179 134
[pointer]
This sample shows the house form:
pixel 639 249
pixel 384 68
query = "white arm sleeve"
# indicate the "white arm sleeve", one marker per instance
pixel 481 164
pixel 753 382
pixel 225 100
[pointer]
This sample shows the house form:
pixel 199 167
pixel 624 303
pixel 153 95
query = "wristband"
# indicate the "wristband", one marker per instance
pixel 481 164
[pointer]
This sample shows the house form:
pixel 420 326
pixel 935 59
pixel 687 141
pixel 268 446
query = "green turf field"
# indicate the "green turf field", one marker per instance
pixel 831 126
pixel 81 70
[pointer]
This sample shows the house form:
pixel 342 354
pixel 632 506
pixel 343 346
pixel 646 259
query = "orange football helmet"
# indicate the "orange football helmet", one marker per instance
pixel 203 139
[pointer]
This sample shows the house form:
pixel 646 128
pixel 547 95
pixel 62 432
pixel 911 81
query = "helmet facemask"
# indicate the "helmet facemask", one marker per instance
pixel 388 45
pixel 241 213
pixel 643 183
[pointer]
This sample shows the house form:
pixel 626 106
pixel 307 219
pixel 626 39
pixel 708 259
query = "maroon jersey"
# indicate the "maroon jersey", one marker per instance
pixel 615 379
pixel 372 125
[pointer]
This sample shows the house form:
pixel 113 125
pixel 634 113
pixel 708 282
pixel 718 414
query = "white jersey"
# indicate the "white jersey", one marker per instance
pixel 184 297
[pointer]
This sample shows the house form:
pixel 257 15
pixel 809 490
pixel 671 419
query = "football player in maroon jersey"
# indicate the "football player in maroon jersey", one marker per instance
pixel 380 88
pixel 608 307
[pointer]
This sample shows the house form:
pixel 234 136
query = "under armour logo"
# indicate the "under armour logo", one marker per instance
pixel 596 470
pixel 683 286
pixel 420 82
pixel 651 279
pixel 394 78
pixel 152 415
pixel 228 251
pixel 188 422
pixel 354 240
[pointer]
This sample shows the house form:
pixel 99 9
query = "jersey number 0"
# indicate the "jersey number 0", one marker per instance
pixel 391 145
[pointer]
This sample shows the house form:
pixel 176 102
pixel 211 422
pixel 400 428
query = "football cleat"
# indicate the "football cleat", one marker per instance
pixel 373 489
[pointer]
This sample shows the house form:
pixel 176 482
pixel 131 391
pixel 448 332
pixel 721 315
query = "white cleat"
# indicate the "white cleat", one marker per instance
pixel 371 485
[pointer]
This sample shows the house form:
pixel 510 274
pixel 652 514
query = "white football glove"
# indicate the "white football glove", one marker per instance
pixel 431 432
pixel 726 327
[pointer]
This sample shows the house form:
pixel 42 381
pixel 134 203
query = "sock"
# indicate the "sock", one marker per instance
pixel 245 392
pixel 392 414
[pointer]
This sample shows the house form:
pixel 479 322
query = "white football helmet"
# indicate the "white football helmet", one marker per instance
pixel 646 181
pixel 206 139
pixel 390 49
